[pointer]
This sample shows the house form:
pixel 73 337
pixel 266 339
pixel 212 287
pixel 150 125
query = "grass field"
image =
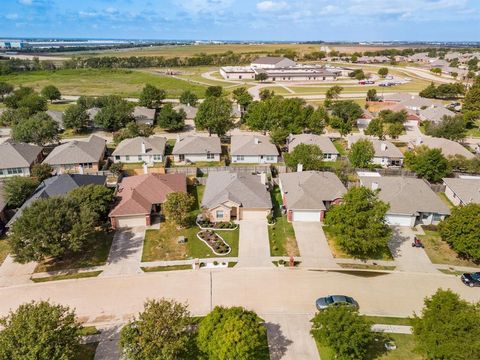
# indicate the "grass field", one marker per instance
pixel 87 274
pixel 4 249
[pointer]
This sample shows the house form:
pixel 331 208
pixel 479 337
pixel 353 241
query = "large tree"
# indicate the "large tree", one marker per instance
pixel 309 155
pixel 361 153
pixel 450 127
pixel 213 91
pixel 428 163
pixel 51 92
pixel 39 129
pixel 42 171
pixel 96 198
pixel 5 89
pixel 151 97
pixel 27 98
pixel 215 115
pixel 375 128
pixel 359 222
pixel 171 120
pixel 471 103
pixel 177 207
pixel 132 130
pixel 383 72
pixel 41 331
pixel 18 189
pixel 115 114
pixel 188 98
pixel 76 118
pixel 242 97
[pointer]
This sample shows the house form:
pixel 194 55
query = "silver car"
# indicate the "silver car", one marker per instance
pixel 335 300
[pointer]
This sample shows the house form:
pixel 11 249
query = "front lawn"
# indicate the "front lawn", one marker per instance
pixel 166 268
pixel 87 351
pixel 80 275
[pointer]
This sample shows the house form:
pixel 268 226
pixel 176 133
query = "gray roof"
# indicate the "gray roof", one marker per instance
pixel 467 190
pixel 406 196
pixel 383 148
pixel 191 111
pixel 78 151
pixel 92 112
pixel 448 147
pixel 270 60
pixel 153 146
pixel 56 116
pixel 323 142
pixel 409 100
pixel 20 155
pixel 197 145
pixel 308 190
pixel 435 113
pixel 143 113
pixel 252 145
pixel 244 189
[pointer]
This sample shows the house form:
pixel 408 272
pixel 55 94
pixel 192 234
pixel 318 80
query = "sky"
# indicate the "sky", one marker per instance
pixel 280 20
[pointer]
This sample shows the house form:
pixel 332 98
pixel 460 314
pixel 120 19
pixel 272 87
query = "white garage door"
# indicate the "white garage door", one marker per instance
pixel 253 214
pixel 131 221
pixel 399 220
pixel 306 215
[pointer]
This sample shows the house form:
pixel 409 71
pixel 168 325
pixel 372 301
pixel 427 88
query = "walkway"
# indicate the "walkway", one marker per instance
pixel 254 248
pixel 13 273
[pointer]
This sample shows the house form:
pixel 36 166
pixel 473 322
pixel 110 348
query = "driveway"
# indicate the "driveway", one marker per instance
pixel 13 273
pixel 313 245
pixel 254 248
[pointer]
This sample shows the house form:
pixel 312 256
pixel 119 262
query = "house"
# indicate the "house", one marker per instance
pixel 236 196
pixel 144 115
pixel 190 111
pixel 57 116
pixel 463 191
pixel 141 197
pixel 386 154
pixel 272 62
pixel 17 159
pixel 92 112
pixel 435 114
pixel 58 185
pixel 413 102
pixel 253 149
pixel 191 149
pixel 330 152
pixel 308 195
pixel 365 119
pixel 78 156
pixel 411 200
pixel 448 147
pixel 148 150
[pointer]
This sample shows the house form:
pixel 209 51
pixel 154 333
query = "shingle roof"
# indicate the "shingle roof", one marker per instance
pixel 191 111
pixel 409 100
pixel 406 196
pixel 308 190
pixel 383 148
pixel 197 145
pixel 323 142
pixel 252 145
pixel 435 114
pixel 20 155
pixel 143 113
pixel 468 190
pixel 448 147
pixel 57 116
pixel 153 146
pixel 77 152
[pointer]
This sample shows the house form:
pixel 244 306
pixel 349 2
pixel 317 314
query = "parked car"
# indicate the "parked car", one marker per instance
pixel 335 300
pixel 471 279
pixel 369 82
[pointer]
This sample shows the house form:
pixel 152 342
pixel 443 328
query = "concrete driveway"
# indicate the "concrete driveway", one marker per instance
pixel 13 273
pixel 254 248
pixel 313 245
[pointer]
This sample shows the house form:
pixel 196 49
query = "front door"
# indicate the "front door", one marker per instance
pixel 181 157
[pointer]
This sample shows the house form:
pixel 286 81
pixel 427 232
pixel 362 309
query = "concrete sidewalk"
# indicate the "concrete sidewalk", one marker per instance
pixel 13 273
pixel 313 245
pixel 392 329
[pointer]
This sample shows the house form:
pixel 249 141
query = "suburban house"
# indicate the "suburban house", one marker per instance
pixel 236 196
pixel 78 156
pixel 17 159
pixel 413 102
pixel 149 150
pixel 307 195
pixel 463 190
pixel 365 119
pixel 144 115
pixel 190 111
pixel 330 152
pixel 253 149
pixel 411 200
pixel 58 185
pixel 57 116
pixel 141 197
pixel 386 154
pixel 92 112
pixel 448 147
pixel 190 149
pixel 435 114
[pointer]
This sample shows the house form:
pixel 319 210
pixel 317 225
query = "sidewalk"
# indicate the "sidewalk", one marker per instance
pixel 392 329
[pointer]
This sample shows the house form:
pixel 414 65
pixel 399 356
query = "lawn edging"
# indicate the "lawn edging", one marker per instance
pixel 211 248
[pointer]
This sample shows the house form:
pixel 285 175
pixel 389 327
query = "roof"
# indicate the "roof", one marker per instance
pixel 406 195
pixel 20 155
pixel 138 193
pixel 270 60
pixel 153 146
pixel 191 111
pixel 197 145
pixel 56 116
pixel 409 100
pixel 243 189
pixel 252 145
pixel 382 148
pixel 467 190
pixel 3 201
pixel 308 190
pixel 448 147
pixel 143 113
pixel 77 152
pixel 59 185
pixel 92 112
pixel 323 142
pixel 435 114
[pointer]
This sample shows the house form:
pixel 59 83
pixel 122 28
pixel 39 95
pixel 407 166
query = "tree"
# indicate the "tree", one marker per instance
pixel 171 120
pixel 51 92
pixel 347 110
pixel 39 129
pixel 188 98
pixel 242 97
pixel 76 118
pixel 428 163
pixel 462 230
pixel 372 95
pixel 279 136
pixel 161 331
pixel 261 77
pixel 436 71
pixel 383 72
pixel 266 94
pixel 347 333
pixel 232 333
pixel 357 74
pixel 116 168
pixel 96 198
pixel 316 121
pixel 25 97
pixel 332 94
pixel 213 91
pixel 429 92
pixel 359 222
pixel 51 227
pixel 361 153
pixel 151 97
pixel 215 116
pixel 5 89
pixel 115 114
pixel 375 128
pixel 42 171
pixel 39 330
pixel 12 117
pixel 309 155
pixel 177 207
pixel 132 130
pixel 447 328
pixel 471 103
pixel 450 127
pixel 18 189
pixel 395 130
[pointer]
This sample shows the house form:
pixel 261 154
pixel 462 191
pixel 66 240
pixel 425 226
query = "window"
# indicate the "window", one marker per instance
pixel 85 165
pixel 210 156
pixel 270 158
pixel 327 156
pixel 157 157
pixel 117 157
pixel 437 217
pixel 140 158
pixel 219 214
pixel 127 157
pixel 240 157
pixel 14 171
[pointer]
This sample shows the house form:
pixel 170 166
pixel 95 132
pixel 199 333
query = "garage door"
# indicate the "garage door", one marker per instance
pixel 399 220
pixel 306 215
pixel 131 221
pixel 254 214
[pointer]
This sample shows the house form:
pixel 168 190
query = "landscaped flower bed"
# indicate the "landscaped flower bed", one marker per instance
pixel 208 225
pixel 215 242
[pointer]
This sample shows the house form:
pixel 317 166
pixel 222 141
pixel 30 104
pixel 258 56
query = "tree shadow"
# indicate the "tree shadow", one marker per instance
pixel 396 241
pixel 277 342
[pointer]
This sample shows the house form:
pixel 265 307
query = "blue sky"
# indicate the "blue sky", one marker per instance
pixel 302 20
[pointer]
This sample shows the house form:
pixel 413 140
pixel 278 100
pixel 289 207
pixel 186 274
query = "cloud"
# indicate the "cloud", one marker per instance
pixel 11 16
pixel 271 5
pixel 25 2
pixel 204 6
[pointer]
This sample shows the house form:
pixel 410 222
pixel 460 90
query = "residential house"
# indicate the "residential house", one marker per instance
pixel 413 102
pixel 411 200
pixel 92 112
pixel 141 198
pixel 17 159
pixel 330 152
pixel 365 119
pixel 191 149
pixel 463 191
pixel 307 195
pixel 386 154
pixel 435 114
pixel 144 115
pixel 149 150
pixel 190 111
pixel 236 196
pixel 253 149
pixel 78 156
pixel 57 116
pixel 448 147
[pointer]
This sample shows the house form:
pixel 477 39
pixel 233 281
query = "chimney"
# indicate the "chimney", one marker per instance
pixel 299 167
pixel 374 185
pixel 144 149
pixel 145 168
pixel 263 178
pixel 256 141
pixel 383 146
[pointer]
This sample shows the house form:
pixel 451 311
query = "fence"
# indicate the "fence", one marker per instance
pixel 204 171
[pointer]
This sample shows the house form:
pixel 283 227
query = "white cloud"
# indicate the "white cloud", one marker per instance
pixel 11 16
pixel 25 2
pixel 272 5
pixel 204 6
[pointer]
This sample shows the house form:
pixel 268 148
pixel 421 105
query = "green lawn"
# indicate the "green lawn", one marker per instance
pixel 281 235
pixel 81 275
pixel 446 200
pixel 166 268
pixel 474 130
pixel 341 146
pixel 4 249
pixel 89 330
pixel 366 267
pixel 387 320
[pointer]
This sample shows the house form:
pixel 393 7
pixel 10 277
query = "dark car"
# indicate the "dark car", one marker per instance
pixel 471 279
pixel 335 300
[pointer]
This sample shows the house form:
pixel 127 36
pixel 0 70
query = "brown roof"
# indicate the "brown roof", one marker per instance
pixel 139 193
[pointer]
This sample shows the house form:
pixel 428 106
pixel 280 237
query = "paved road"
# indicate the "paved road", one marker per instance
pixel 13 273
pixel 254 248
pixel 313 245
